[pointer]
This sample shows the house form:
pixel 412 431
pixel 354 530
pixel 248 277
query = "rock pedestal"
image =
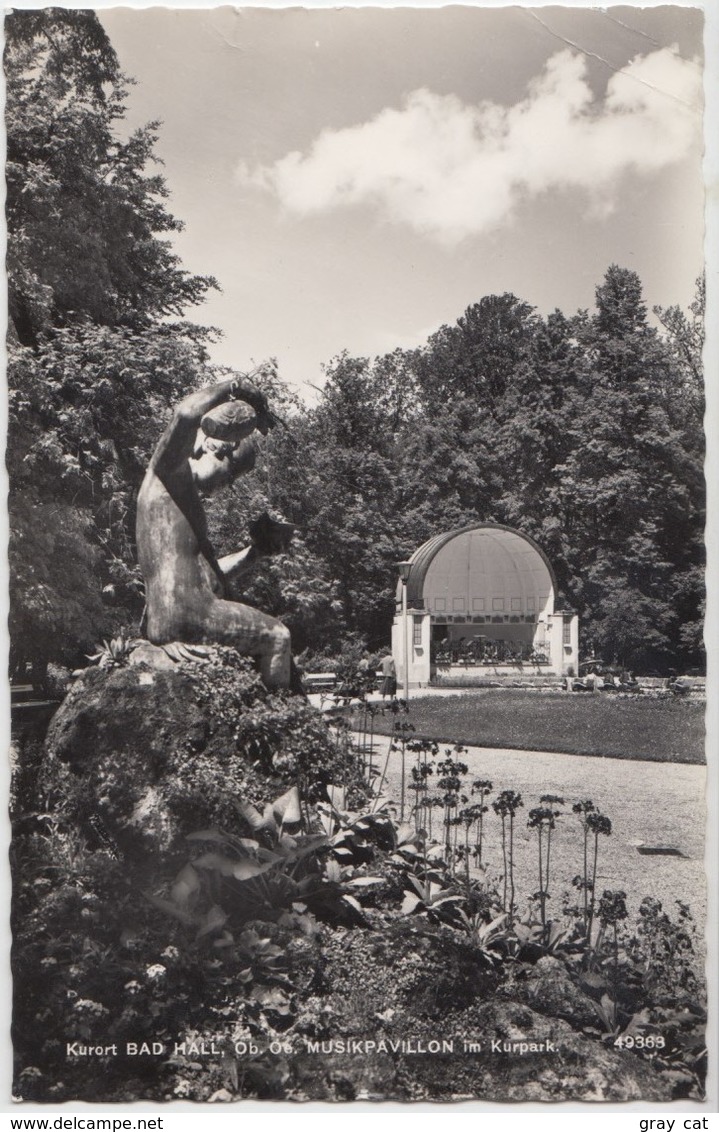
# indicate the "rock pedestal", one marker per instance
pixel 139 756
pixel 109 946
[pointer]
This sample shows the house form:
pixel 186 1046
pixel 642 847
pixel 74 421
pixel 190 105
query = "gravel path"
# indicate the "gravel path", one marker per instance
pixel 658 804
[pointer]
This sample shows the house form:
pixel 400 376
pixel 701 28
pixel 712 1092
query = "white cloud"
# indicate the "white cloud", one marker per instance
pixel 450 170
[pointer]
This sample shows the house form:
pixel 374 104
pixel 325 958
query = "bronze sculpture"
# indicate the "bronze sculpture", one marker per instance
pixel 209 441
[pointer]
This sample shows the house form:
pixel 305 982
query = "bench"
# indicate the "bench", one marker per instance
pixel 319 681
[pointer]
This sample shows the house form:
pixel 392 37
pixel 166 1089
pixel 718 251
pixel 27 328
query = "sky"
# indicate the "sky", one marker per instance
pixel 355 178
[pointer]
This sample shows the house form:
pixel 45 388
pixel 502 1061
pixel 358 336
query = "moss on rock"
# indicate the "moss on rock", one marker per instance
pixel 138 757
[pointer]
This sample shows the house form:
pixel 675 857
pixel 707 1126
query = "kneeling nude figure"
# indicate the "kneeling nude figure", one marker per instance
pixel 184 581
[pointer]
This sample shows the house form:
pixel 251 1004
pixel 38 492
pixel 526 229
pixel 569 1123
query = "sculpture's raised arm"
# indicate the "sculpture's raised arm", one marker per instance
pixel 185 592
pixel 178 440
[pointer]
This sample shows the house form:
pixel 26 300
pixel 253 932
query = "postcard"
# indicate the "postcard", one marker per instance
pixel 357 503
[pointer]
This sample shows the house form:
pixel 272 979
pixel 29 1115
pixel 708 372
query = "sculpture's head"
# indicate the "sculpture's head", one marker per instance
pixel 216 463
pixel 225 445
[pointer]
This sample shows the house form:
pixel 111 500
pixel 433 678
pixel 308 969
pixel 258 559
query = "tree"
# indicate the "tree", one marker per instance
pixel 84 219
pixel 583 432
pixel 494 387
pixel 86 409
pixel 295 587
pixel 94 362
pixel 685 341
pixel 336 480
pixel 634 476
pixel 479 356
pixel 685 338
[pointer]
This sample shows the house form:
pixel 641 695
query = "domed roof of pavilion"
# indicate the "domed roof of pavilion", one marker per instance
pixel 484 568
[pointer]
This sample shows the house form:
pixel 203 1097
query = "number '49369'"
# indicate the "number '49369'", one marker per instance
pixel 640 1041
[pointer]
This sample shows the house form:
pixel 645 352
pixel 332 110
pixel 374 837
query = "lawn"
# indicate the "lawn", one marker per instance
pixel 656 730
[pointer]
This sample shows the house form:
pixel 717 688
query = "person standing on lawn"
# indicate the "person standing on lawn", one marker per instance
pixel 389 677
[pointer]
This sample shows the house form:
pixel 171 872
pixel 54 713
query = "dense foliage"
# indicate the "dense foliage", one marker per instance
pixel 95 358
pixel 583 431
pixel 260 930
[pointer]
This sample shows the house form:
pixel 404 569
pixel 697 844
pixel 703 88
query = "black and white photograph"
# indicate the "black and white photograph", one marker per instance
pixel 357 555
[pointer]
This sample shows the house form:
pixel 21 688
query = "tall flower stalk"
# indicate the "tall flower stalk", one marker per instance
pixel 484 788
pixel 542 818
pixel 401 731
pixel 598 824
pixel 594 823
pixel 367 737
pixel 506 807
pixel 420 773
pixel 613 908
pixel 450 784
pixel 468 816
pixel 584 809
pixel 382 777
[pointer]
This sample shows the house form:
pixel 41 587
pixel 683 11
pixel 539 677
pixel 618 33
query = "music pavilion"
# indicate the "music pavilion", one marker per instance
pixel 480 602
